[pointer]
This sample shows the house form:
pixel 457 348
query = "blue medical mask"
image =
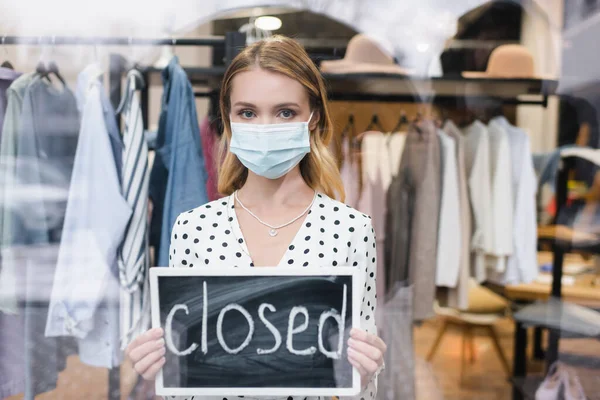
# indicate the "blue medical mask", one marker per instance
pixel 270 150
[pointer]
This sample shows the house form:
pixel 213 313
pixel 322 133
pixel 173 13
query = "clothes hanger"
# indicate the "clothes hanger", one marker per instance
pixel 140 84
pixel 6 63
pixel 401 122
pixel 50 68
pixel 375 124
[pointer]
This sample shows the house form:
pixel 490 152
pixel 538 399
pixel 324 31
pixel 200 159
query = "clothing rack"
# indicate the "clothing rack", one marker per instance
pixel 232 43
pixel 109 41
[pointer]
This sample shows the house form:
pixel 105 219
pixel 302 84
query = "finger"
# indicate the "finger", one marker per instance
pixel 150 374
pixel 150 334
pixel 358 367
pixel 142 366
pixel 369 365
pixel 373 340
pixel 370 351
pixel 144 349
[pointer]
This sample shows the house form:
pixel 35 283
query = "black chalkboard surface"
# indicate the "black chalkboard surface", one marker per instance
pixel 256 331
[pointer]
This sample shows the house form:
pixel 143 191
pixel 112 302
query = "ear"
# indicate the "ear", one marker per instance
pixel 314 121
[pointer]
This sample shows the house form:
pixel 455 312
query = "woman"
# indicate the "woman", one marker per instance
pixel 280 180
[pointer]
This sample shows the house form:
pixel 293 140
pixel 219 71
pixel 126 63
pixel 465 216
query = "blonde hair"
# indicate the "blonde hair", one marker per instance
pixel 286 56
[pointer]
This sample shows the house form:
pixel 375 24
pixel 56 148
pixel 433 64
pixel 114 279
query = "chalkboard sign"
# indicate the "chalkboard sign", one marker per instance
pixel 256 331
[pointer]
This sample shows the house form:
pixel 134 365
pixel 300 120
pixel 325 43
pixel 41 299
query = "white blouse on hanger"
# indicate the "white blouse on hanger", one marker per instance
pixel 333 234
pixel 477 160
pixel 502 197
pixel 449 238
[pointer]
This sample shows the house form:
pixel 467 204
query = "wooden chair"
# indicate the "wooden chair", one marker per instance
pixel 485 308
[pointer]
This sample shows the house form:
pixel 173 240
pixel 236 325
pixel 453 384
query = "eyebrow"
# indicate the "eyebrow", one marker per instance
pixel 245 104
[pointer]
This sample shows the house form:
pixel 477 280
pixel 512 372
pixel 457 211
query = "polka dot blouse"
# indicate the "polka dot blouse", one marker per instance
pixel 333 234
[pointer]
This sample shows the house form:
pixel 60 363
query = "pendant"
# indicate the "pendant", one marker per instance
pixel 272 233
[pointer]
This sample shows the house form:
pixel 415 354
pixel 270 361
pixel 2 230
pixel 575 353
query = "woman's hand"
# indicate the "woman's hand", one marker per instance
pixel 146 353
pixel 365 353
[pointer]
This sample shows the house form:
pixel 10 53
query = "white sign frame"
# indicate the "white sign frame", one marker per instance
pixel 357 287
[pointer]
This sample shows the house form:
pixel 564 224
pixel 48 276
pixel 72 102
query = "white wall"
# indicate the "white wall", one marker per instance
pixel 543 38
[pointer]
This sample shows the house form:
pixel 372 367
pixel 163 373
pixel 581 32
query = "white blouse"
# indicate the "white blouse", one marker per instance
pixel 333 234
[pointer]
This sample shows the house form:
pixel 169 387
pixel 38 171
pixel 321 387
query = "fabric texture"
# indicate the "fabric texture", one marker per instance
pixel 353 241
pixel 449 242
pixel 209 140
pixel 502 197
pixel 178 177
pixel 7 76
pixel 84 292
pixel 134 256
pixel 522 265
pixel 381 154
pixel 350 174
pixel 412 215
pixel 9 189
pixel 459 297
pixel 477 160
pixel 47 138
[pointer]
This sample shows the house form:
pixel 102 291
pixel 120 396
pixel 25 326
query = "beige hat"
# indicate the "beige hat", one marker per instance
pixel 364 54
pixel 509 61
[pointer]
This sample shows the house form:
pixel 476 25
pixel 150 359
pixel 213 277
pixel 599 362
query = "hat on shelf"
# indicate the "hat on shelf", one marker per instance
pixel 364 54
pixel 509 61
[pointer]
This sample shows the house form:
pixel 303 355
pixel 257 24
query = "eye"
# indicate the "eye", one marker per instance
pixel 287 114
pixel 246 114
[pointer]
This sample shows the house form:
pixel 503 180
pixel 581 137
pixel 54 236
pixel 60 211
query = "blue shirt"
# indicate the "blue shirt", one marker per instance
pixel 178 177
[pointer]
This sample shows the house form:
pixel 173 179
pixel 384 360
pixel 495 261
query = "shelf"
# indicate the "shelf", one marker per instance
pixel 393 87
pixel 208 76
pixel 440 87
pixel 559 315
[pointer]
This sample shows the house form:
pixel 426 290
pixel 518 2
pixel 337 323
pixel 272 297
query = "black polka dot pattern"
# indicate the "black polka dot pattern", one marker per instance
pixel 331 235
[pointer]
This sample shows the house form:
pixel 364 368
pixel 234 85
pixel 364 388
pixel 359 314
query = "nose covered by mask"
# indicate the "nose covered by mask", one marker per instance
pixel 270 150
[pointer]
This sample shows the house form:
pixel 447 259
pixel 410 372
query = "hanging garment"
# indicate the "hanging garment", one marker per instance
pixel 8 188
pixel 448 235
pixel 522 265
pixel 178 177
pixel 84 289
pixel 210 150
pixel 412 214
pixel 134 256
pixel 381 155
pixel 459 297
pixel 502 198
pixel 47 139
pixel 350 175
pixel 7 76
pixel 477 160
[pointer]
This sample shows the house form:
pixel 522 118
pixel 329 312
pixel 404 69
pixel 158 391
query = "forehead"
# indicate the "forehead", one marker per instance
pixel 263 88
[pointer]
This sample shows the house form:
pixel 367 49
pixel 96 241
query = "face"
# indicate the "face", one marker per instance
pixel 259 96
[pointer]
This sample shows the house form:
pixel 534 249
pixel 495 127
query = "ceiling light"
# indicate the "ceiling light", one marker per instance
pixel 267 23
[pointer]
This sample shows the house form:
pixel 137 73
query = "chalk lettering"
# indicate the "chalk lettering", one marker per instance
pixel 271 327
pixel 220 338
pixel 341 320
pixel 291 331
pixel 169 332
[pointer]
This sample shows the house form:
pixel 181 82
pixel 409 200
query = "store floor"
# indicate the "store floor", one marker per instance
pixel 483 380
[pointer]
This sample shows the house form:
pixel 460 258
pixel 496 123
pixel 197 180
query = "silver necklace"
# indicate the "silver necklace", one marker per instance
pixel 274 230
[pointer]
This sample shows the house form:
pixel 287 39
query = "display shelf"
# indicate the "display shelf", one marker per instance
pixel 363 85
pixel 401 88
pixel 562 316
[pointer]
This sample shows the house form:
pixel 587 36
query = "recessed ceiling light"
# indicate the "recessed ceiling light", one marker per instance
pixel 267 23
